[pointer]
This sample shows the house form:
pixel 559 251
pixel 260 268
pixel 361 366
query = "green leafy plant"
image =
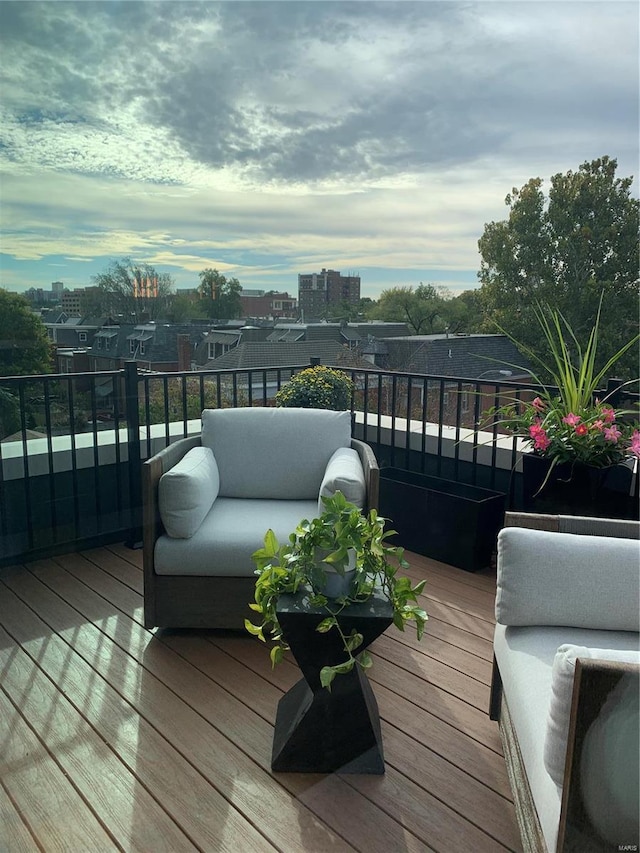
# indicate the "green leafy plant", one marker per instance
pixel 317 388
pixel 326 543
pixel 571 424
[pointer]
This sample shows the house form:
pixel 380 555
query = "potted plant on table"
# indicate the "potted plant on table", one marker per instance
pixel 575 436
pixel 342 545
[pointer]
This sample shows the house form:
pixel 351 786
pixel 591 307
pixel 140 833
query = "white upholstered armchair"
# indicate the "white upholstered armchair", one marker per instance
pixel 208 501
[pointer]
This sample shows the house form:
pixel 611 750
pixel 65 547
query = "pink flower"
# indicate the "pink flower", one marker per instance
pixel 635 443
pixel 582 429
pixel 571 419
pixel 612 433
pixel 608 415
pixel 598 425
pixel 538 404
pixel 540 439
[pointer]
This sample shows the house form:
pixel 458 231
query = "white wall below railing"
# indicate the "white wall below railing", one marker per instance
pixel 384 429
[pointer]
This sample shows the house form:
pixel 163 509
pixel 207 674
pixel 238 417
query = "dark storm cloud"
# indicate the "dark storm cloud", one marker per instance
pixel 314 91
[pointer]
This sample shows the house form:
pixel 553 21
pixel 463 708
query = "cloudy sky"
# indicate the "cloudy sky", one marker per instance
pixel 271 138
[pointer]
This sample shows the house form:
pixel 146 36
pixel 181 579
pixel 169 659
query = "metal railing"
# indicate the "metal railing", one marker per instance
pixel 71 445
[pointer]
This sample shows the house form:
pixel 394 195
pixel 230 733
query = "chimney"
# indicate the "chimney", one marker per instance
pixel 184 352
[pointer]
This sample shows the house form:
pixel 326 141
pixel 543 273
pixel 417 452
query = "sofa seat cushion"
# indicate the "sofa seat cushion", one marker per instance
pixel 344 474
pixel 187 491
pixel 232 530
pixel 525 658
pixel 300 444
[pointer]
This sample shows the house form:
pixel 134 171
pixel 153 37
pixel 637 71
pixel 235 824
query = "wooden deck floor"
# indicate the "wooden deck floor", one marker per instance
pixel 116 738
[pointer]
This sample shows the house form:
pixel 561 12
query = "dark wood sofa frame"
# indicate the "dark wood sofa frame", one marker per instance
pixel 592 684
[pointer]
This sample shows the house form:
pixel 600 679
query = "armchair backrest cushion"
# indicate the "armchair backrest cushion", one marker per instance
pixel 567 579
pixel 187 491
pixel 276 453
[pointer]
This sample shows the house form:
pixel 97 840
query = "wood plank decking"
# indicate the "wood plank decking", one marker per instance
pixel 116 738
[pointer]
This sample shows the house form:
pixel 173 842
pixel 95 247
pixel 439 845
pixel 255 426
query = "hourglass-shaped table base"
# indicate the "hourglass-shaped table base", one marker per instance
pixel 317 730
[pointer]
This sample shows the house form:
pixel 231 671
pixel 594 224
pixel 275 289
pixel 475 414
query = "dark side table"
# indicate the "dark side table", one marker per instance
pixel 317 730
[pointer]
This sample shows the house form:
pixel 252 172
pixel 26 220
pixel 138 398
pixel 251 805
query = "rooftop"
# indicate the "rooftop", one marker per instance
pixel 115 737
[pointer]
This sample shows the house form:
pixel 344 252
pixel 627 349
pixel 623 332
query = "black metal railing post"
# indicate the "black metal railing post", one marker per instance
pixel 613 394
pixel 133 450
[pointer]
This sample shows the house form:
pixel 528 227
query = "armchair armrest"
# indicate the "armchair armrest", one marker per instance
pixel 595 789
pixel 371 472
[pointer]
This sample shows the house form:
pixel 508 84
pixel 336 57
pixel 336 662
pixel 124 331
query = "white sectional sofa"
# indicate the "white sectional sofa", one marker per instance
pixel 208 501
pixel 565 687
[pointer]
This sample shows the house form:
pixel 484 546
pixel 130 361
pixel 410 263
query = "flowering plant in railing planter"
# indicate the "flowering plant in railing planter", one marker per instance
pixel 571 424
pixel 317 387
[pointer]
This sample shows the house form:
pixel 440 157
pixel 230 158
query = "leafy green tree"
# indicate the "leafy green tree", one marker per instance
pixel 183 307
pixel 221 295
pixel 132 290
pixel 24 345
pixel 421 309
pixel 464 313
pixel 562 252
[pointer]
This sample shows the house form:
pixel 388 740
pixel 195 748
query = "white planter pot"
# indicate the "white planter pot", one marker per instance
pixel 337 585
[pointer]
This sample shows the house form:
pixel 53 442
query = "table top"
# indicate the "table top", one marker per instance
pixel 378 606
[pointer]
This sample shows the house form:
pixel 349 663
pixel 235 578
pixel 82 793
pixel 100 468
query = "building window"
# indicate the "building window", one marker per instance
pixel 82 337
pixel 99 343
pixel 141 350
pixel 211 351
pixel 107 343
pixel 132 346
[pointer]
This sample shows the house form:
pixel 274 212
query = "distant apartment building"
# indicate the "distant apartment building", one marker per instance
pixel 269 304
pixel 327 289
pixel 70 301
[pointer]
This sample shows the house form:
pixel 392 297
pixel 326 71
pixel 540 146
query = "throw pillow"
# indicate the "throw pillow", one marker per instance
pixel 344 473
pixel 563 673
pixel 187 491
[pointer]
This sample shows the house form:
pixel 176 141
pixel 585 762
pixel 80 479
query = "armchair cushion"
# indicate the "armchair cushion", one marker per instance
pixel 187 491
pixel 273 453
pixel 562 677
pixel 344 473
pixel 563 579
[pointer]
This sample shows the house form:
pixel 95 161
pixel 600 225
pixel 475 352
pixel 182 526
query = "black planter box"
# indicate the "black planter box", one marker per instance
pixel 452 522
pixel 577 489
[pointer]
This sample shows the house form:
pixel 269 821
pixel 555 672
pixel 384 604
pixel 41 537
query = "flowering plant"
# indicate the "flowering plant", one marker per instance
pixel 317 388
pixel 571 424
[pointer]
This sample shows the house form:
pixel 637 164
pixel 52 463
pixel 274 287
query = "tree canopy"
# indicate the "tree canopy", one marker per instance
pixel 24 345
pixel 221 295
pixel 135 291
pixel 420 309
pixel 563 251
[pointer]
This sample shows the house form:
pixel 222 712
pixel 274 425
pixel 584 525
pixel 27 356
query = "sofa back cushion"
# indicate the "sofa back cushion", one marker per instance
pixel 187 491
pixel 567 579
pixel 562 678
pixel 274 453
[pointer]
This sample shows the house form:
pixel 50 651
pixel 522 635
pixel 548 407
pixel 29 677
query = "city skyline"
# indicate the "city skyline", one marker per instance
pixel 272 139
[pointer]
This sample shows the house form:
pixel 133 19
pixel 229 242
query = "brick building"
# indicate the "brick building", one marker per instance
pixel 327 289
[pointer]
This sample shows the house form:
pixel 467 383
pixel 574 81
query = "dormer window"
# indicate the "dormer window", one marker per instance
pixel 99 343
pixel 132 345
pixel 82 337
pixel 141 348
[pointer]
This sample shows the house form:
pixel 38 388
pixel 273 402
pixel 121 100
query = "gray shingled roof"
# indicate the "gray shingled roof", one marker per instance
pixel 251 355
pixel 468 356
